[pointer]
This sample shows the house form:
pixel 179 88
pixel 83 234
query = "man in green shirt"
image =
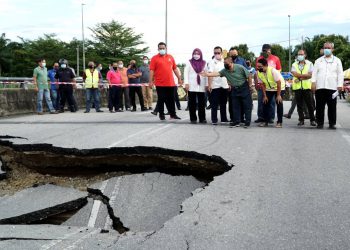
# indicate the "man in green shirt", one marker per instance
pixel 240 83
pixel 42 87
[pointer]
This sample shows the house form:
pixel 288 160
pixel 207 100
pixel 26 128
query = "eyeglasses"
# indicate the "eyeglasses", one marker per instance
pixel 217 53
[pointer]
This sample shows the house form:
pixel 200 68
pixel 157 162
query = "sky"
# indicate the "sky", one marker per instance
pixel 192 24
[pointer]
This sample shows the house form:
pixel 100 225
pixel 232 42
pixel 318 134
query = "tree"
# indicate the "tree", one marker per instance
pixel 283 55
pixel 114 41
pixel 5 56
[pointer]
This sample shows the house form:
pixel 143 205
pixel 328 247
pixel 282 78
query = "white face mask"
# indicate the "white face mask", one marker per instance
pixel 145 61
pixel 196 57
pixel 120 66
pixel 43 64
pixel 218 56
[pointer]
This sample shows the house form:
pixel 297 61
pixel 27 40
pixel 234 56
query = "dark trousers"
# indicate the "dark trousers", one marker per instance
pixel 114 94
pixel 342 94
pixel 230 110
pixel 192 100
pixel 92 93
pixel 260 112
pixel 138 91
pixel 166 96
pixel 124 95
pixel 239 103
pixel 304 97
pixel 271 96
pixel 323 97
pixel 177 100
pixel 66 94
pixel 218 97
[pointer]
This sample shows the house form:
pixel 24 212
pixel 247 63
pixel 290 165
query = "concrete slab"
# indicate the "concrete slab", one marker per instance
pixel 34 204
pixel 144 202
pixel 2 171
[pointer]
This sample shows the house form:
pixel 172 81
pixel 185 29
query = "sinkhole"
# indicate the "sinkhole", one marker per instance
pixel 134 189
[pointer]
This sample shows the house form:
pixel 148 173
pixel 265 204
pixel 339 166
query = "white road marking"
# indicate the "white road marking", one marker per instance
pixel 129 136
pixel 55 242
pixel 74 245
pixel 96 207
pixel 112 199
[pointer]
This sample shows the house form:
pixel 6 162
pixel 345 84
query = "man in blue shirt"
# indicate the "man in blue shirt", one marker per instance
pixel 134 75
pixel 55 98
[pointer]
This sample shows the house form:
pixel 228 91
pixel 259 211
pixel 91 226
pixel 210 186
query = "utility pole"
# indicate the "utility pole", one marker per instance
pixel 166 22
pixel 82 31
pixel 302 42
pixel 77 60
pixel 289 48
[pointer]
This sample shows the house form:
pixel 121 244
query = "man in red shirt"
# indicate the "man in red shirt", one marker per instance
pixel 162 68
pixel 272 61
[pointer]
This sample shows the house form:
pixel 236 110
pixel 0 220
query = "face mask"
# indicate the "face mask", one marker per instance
pixel 100 68
pixel 55 68
pixel 196 57
pixel 300 58
pixel 261 70
pixel 162 52
pixel 227 66
pixel 264 54
pixel 327 52
pixel 44 65
pixel 120 66
pixel 91 66
pixel 248 65
pixel 145 61
pixel 63 66
pixel 234 57
pixel 115 68
pixel 218 57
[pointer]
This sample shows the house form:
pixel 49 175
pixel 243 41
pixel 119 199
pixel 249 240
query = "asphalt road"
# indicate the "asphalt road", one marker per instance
pixel 289 189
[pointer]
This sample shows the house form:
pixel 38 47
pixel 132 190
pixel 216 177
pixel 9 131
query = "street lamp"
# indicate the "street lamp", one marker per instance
pixel 77 60
pixel 289 48
pixel 166 22
pixel 82 31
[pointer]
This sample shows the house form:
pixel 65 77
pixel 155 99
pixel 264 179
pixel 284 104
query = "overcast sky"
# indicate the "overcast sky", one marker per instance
pixel 191 23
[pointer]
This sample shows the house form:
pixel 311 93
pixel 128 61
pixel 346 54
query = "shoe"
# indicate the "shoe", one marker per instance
pixel 234 125
pixel 246 126
pixel 54 112
pixel 161 117
pixel 40 113
pixel 224 121
pixel 242 122
pixel 301 123
pixel 263 124
pixel 119 110
pixel 112 111
pixel 332 127
pixel 279 125
pixel 313 124
pixel 144 109
pixel 133 110
pixel 154 113
pixel 150 108
pixel 61 111
pixel 214 123
pixel 307 117
pixel 193 122
pixel 203 122
pixel 271 121
pixel 167 113
pixel 127 109
pixel 175 117
pixel 187 109
pixel 319 126
pixel 287 116
pixel 209 107
pixel 86 111
pixel 178 108
pixel 259 120
pixel 99 111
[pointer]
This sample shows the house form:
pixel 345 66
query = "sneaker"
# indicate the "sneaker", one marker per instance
pixel 301 123
pixel 246 126
pixel 61 111
pixel 112 111
pixel 99 111
pixel 203 122
pixel 133 110
pixel 234 125
pixel 119 110
pixel 259 120
pixel 154 113
pixel 214 123
pixel 86 111
pixel 271 121
pixel 332 127
pixel 143 109
pixel 54 112
pixel 287 116
pixel 263 124
pixel 161 117
pixel 320 126
pixel 175 117
pixel 193 122
pixel 179 108
pixel 40 113
pixel 150 108
pixel 313 124
pixel 279 125
pixel 127 109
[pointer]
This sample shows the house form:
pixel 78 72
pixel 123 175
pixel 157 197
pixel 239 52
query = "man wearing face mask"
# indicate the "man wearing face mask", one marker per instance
pixel 162 68
pixel 241 81
pixel 147 91
pixel 134 75
pixel 124 100
pixel 302 72
pixel 53 87
pixel 66 78
pixel 42 87
pixel 218 88
pixel 327 79
pixel 272 61
pixel 92 78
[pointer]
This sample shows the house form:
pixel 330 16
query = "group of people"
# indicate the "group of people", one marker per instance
pixel 221 80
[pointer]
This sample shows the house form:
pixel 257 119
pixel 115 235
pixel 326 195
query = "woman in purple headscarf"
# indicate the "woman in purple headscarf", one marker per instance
pixel 196 86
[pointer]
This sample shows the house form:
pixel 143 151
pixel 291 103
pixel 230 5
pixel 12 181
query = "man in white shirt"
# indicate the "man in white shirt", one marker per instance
pixel 218 88
pixel 327 79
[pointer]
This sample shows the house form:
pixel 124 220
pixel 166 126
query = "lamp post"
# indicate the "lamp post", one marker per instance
pixel 166 22
pixel 82 31
pixel 289 48
pixel 77 60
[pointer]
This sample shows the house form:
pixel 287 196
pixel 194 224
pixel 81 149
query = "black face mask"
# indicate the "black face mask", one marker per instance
pixel 227 66
pixel 265 54
pixel 234 57
pixel 248 64
pixel 261 70
pixel 115 68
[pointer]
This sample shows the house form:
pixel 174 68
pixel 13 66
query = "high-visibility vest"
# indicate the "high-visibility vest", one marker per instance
pixel 91 80
pixel 269 81
pixel 301 84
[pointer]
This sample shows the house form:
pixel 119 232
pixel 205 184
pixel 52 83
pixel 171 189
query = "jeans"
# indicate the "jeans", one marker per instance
pixel 192 99
pixel 92 93
pixel 218 97
pixel 323 97
pixel 271 96
pixel 41 94
pixel 239 101
pixel 260 111
pixel 166 96
pixel 55 98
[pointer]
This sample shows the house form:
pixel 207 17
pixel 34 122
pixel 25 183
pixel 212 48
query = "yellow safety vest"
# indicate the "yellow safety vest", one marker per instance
pixel 269 81
pixel 301 84
pixel 91 80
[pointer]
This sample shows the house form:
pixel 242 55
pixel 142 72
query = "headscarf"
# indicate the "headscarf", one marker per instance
pixel 198 65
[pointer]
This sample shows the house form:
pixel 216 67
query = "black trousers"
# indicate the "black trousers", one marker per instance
pixel 271 96
pixel 138 91
pixel 218 97
pixel 114 94
pixel 304 96
pixel 323 97
pixel 192 105
pixel 177 100
pixel 66 94
pixel 230 110
pixel 166 96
